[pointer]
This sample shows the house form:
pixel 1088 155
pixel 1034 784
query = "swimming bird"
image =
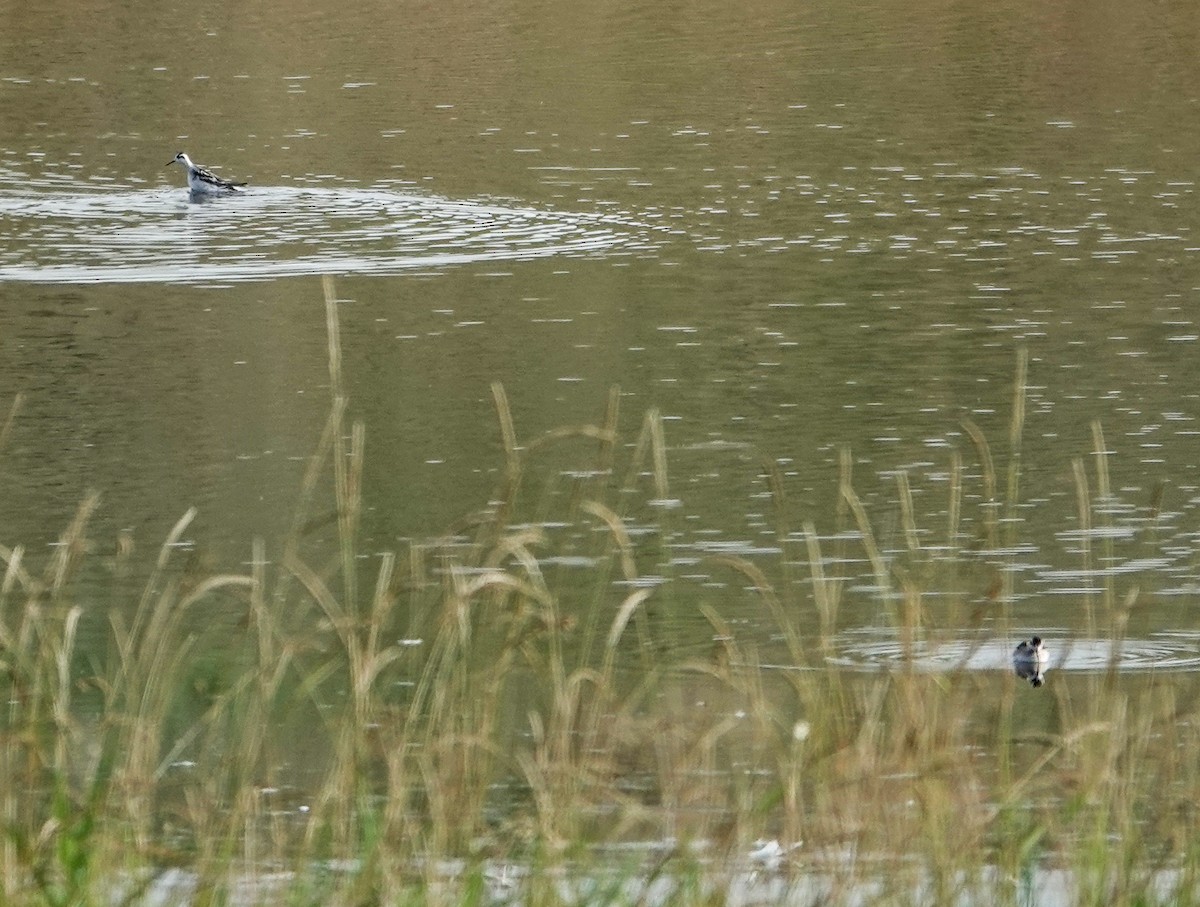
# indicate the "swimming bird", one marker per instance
pixel 1028 660
pixel 202 181
pixel 1032 650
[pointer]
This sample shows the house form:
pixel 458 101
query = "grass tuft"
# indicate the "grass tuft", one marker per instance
pixel 467 722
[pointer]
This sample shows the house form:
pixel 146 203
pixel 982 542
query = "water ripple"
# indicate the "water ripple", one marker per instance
pixel 1166 651
pixel 155 235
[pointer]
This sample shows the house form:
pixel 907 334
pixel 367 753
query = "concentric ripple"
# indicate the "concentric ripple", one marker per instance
pixel 157 235
pixel 881 651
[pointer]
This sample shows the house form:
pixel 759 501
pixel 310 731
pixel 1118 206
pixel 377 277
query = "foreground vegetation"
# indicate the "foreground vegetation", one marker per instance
pixel 461 723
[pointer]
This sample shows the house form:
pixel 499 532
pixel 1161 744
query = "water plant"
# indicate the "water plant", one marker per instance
pixel 468 721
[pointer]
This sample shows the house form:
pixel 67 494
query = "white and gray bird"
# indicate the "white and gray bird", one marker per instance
pixel 1032 651
pixel 202 181
pixel 1030 659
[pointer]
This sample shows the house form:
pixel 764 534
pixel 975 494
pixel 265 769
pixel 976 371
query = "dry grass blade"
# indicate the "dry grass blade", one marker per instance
pixel 6 429
pixel 954 508
pixel 878 566
pixel 1120 624
pixel 632 602
pixel 1017 790
pixel 71 544
pixel 907 515
pixel 324 598
pixel 1104 513
pixel 516 546
pixel 825 593
pixel 1083 510
pixel 508 432
pixel 776 487
pixel 650 440
pixel 620 535
pixel 212 584
pixel 612 412
pixel 347 472
pixel 333 333
pixel 381 601
pixel 62 700
pixel 145 605
pixel 987 467
pixel 312 472
pixel 467 586
pixel 590 432
pixel 1016 428
pixel 1101 453
pixel 659 447
pixel 14 574
pixel 766 591
pixel 845 480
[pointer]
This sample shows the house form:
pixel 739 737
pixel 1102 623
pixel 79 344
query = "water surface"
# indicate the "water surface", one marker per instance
pixel 793 230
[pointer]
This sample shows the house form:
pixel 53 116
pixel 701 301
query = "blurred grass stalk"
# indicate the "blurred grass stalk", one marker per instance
pixel 393 729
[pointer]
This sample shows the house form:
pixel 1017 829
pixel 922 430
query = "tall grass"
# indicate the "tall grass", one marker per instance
pixel 456 723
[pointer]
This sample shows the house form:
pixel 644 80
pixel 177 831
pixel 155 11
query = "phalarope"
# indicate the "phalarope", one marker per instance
pixel 202 181
pixel 1031 650
pixel 1029 658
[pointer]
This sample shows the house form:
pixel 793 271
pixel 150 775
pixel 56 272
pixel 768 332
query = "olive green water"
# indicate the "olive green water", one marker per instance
pixel 789 227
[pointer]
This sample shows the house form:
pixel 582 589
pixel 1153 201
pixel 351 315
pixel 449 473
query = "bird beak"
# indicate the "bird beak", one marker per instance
pixel 169 163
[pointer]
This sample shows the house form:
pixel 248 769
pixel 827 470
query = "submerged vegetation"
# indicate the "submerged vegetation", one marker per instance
pixel 470 721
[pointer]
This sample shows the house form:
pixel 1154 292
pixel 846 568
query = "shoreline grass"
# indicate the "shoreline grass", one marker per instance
pixel 446 725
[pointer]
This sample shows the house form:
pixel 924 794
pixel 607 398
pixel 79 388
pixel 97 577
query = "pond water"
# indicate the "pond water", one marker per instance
pixel 792 229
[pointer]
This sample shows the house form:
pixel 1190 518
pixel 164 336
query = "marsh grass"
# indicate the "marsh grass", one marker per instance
pixel 462 723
